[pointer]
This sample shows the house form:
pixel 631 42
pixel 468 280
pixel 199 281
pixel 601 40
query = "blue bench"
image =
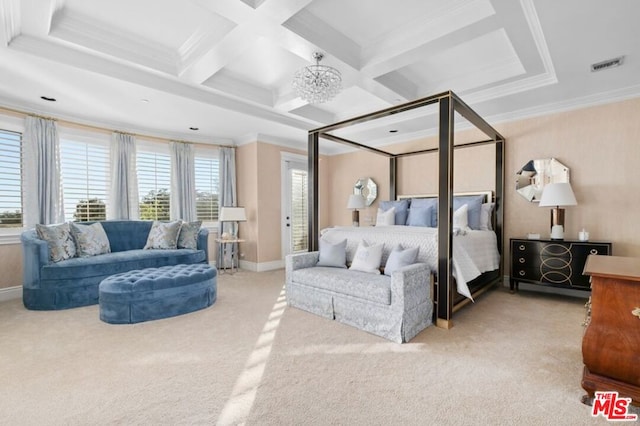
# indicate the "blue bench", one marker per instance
pixel 154 293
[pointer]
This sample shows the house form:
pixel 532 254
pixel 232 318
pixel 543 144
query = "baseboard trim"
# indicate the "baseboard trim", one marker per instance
pixel 10 293
pixel 261 267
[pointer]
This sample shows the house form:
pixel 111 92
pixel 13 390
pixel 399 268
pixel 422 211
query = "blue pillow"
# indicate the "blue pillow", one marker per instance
pixel 402 210
pixel 334 255
pixel 474 205
pixel 399 258
pixel 420 216
pixel 428 202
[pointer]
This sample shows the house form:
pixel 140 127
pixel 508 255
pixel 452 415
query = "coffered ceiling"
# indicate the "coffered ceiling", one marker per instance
pixel 159 67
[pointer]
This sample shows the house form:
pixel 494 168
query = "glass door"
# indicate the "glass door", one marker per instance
pixel 295 207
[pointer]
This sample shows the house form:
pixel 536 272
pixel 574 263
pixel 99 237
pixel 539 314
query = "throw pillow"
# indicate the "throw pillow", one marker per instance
pixel 367 258
pixel 427 202
pixel 402 210
pixel 485 217
pixel 163 235
pixel 91 240
pixel 386 218
pixel 59 240
pixel 460 218
pixel 420 216
pixel 188 237
pixel 334 255
pixel 399 258
pixel 474 203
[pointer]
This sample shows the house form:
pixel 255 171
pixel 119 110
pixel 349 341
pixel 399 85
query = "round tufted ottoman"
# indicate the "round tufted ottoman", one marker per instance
pixel 154 293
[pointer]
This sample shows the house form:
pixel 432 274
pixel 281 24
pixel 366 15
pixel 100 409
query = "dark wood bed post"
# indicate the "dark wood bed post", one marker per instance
pixel 393 177
pixel 313 206
pixel 445 203
pixel 500 199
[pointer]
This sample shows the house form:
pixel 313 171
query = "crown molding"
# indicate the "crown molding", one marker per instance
pixel 618 95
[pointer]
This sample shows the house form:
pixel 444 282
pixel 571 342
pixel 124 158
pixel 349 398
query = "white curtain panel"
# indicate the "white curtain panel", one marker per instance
pixel 183 182
pixel 227 195
pixel 41 173
pixel 124 179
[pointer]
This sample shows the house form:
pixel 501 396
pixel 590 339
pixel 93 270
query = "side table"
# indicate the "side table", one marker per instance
pixel 228 247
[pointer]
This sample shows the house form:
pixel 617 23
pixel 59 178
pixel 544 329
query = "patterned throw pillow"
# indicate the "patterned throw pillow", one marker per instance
pixel 91 240
pixel 188 237
pixel 163 235
pixel 367 258
pixel 59 239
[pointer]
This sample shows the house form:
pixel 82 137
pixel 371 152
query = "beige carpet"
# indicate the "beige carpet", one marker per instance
pixel 510 359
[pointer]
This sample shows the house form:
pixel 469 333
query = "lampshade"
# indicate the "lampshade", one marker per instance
pixel 232 214
pixel 557 194
pixel 356 201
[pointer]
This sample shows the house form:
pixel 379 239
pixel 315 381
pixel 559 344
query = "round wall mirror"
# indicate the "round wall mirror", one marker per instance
pixel 533 176
pixel 367 188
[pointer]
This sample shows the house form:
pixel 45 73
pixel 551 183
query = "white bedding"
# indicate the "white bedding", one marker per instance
pixel 474 252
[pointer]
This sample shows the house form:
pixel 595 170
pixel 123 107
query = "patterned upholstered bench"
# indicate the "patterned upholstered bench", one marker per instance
pixel 155 293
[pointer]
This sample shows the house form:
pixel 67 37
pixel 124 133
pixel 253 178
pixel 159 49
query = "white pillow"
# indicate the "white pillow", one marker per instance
pixel 386 218
pixel 485 217
pixel 461 218
pixel 399 258
pixel 367 258
pixel 333 255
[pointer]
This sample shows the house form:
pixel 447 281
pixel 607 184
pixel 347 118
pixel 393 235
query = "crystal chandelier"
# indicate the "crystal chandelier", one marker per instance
pixel 317 83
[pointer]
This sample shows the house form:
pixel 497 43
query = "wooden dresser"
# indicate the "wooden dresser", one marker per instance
pixel 611 342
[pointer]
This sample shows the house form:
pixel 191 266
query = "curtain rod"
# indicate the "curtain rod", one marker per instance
pixel 91 126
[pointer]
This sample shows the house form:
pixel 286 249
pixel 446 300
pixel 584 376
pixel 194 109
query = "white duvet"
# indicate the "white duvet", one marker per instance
pixel 474 252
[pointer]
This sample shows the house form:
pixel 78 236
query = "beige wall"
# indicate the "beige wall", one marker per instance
pixel 259 191
pixel 10 265
pixel 601 147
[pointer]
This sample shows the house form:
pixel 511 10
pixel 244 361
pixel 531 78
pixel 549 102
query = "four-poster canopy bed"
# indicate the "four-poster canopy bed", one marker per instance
pixel 446 299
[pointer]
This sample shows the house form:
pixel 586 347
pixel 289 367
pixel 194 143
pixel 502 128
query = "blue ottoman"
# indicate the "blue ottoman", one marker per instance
pixel 155 293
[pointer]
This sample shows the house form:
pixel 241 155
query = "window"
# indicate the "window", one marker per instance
pixel 154 180
pixel 299 208
pixel 10 180
pixel 84 169
pixel 207 177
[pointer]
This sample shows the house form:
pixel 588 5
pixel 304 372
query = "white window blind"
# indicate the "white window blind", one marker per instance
pixel 299 209
pixel 84 169
pixel 207 173
pixel 154 179
pixel 10 179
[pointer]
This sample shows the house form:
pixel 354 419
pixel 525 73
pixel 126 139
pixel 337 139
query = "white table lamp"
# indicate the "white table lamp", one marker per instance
pixel 356 201
pixel 232 214
pixel 557 195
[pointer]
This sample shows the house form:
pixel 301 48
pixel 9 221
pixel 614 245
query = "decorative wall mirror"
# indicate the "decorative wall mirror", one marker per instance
pixel 367 188
pixel 533 176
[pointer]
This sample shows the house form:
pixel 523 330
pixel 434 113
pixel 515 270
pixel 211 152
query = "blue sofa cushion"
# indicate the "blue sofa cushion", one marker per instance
pixel 115 263
pixel 127 234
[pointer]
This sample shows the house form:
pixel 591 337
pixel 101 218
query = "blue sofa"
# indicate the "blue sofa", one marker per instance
pixel 74 282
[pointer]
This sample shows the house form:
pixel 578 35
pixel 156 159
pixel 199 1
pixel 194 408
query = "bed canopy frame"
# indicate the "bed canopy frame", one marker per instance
pixel 448 103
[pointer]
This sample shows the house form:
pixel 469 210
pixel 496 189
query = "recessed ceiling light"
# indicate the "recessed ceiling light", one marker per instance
pixel 194 128
pixel 44 98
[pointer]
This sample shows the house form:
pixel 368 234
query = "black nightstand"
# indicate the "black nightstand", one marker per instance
pixel 556 263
